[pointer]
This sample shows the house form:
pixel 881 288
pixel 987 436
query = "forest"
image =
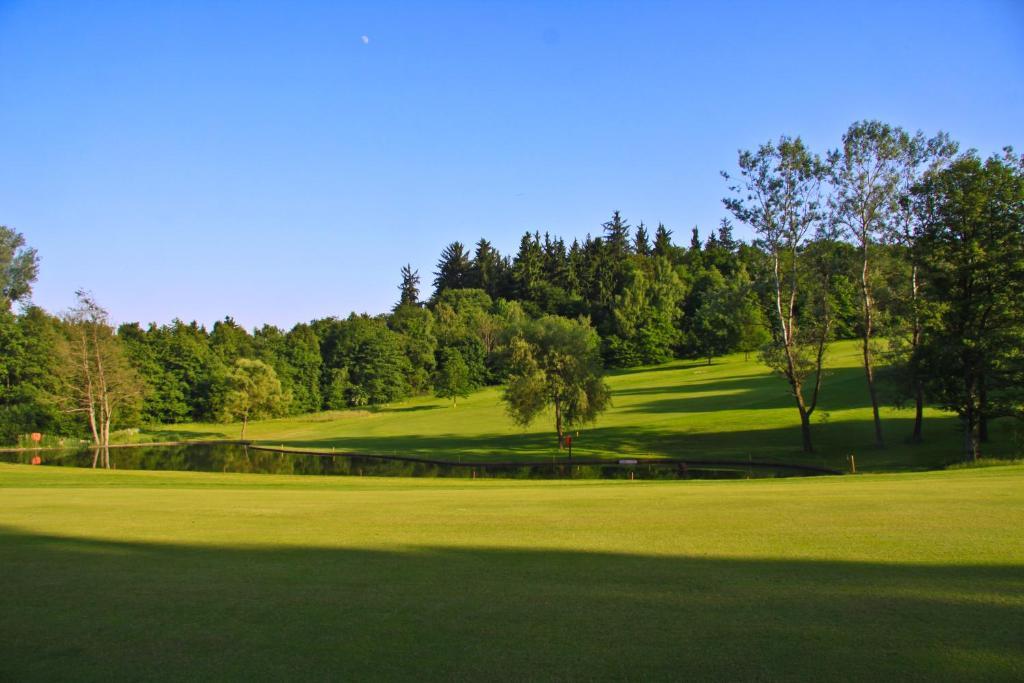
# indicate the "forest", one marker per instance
pixel 899 240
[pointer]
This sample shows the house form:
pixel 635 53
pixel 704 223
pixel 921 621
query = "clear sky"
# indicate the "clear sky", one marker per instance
pixel 279 162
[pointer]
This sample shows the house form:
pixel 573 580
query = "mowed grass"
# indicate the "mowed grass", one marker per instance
pixel 732 409
pixel 114 575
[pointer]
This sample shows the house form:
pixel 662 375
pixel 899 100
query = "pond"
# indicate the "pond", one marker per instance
pixel 234 457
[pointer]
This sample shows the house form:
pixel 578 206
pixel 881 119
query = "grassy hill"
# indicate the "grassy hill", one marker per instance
pixel 732 409
pixel 118 575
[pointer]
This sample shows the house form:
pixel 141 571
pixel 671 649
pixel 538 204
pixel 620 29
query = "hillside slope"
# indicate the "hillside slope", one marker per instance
pixel 731 409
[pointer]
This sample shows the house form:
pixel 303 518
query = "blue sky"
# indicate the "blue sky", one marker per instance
pixel 263 160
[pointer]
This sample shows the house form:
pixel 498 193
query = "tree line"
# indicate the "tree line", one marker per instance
pixel 896 239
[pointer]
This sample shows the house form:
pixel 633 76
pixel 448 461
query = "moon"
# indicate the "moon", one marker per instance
pixel 365 39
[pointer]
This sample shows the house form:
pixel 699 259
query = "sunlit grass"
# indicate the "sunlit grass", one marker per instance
pixel 732 409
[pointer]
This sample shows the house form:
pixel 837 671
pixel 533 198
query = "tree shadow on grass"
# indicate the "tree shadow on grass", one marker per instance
pixel 745 392
pixel 162 434
pixel 697 385
pixel 834 441
pixel 90 609
pixel 667 367
pixel 410 409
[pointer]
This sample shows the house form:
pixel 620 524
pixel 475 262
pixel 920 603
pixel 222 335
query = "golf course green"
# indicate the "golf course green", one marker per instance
pixel 113 575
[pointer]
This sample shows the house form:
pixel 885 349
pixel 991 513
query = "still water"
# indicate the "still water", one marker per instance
pixel 231 457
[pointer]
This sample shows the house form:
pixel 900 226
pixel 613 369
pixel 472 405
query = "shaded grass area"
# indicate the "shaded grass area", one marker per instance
pixel 485 613
pixel 732 409
pixel 190 575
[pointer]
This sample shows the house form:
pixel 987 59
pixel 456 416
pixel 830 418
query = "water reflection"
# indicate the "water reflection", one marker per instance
pixel 240 458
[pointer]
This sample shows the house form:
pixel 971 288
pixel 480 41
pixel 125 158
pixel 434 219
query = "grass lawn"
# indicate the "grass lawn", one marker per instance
pixel 732 409
pixel 113 575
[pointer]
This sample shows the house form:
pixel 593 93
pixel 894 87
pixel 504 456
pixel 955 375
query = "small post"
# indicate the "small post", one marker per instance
pixel 853 463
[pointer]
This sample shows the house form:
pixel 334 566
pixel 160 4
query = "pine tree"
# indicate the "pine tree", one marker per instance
pixel 488 271
pixel 616 235
pixel 410 287
pixel 528 268
pixel 725 239
pixel 453 269
pixel 695 241
pixel 641 246
pixel 662 241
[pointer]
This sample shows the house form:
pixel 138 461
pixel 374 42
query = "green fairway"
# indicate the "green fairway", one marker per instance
pixel 146 575
pixel 733 409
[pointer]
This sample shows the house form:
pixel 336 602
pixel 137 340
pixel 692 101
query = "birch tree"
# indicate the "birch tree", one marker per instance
pixel 920 156
pixel 778 194
pixel 99 381
pixel 865 176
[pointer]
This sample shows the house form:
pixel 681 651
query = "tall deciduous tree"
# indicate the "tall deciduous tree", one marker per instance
pixel 556 363
pixel 19 266
pixel 778 194
pixel 99 380
pixel 865 175
pixel 972 249
pixel 920 156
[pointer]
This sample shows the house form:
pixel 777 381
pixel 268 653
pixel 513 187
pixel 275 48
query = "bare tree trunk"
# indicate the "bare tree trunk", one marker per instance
pixel 106 435
pixel 805 432
pixel 970 417
pixel 558 423
pixel 103 395
pixel 88 393
pixel 915 344
pixel 787 323
pixel 982 411
pixel 869 370
pixel 916 435
pixel 245 421
pixel 971 446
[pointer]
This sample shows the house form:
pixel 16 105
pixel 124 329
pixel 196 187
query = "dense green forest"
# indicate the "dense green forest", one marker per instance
pixel 901 241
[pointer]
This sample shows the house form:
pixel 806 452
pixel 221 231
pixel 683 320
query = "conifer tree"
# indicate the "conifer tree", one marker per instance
pixel 410 287
pixel 641 245
pixel 662 241
pixel 488 270
pixel 725 239
pixel 453 269
pixel 616 236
